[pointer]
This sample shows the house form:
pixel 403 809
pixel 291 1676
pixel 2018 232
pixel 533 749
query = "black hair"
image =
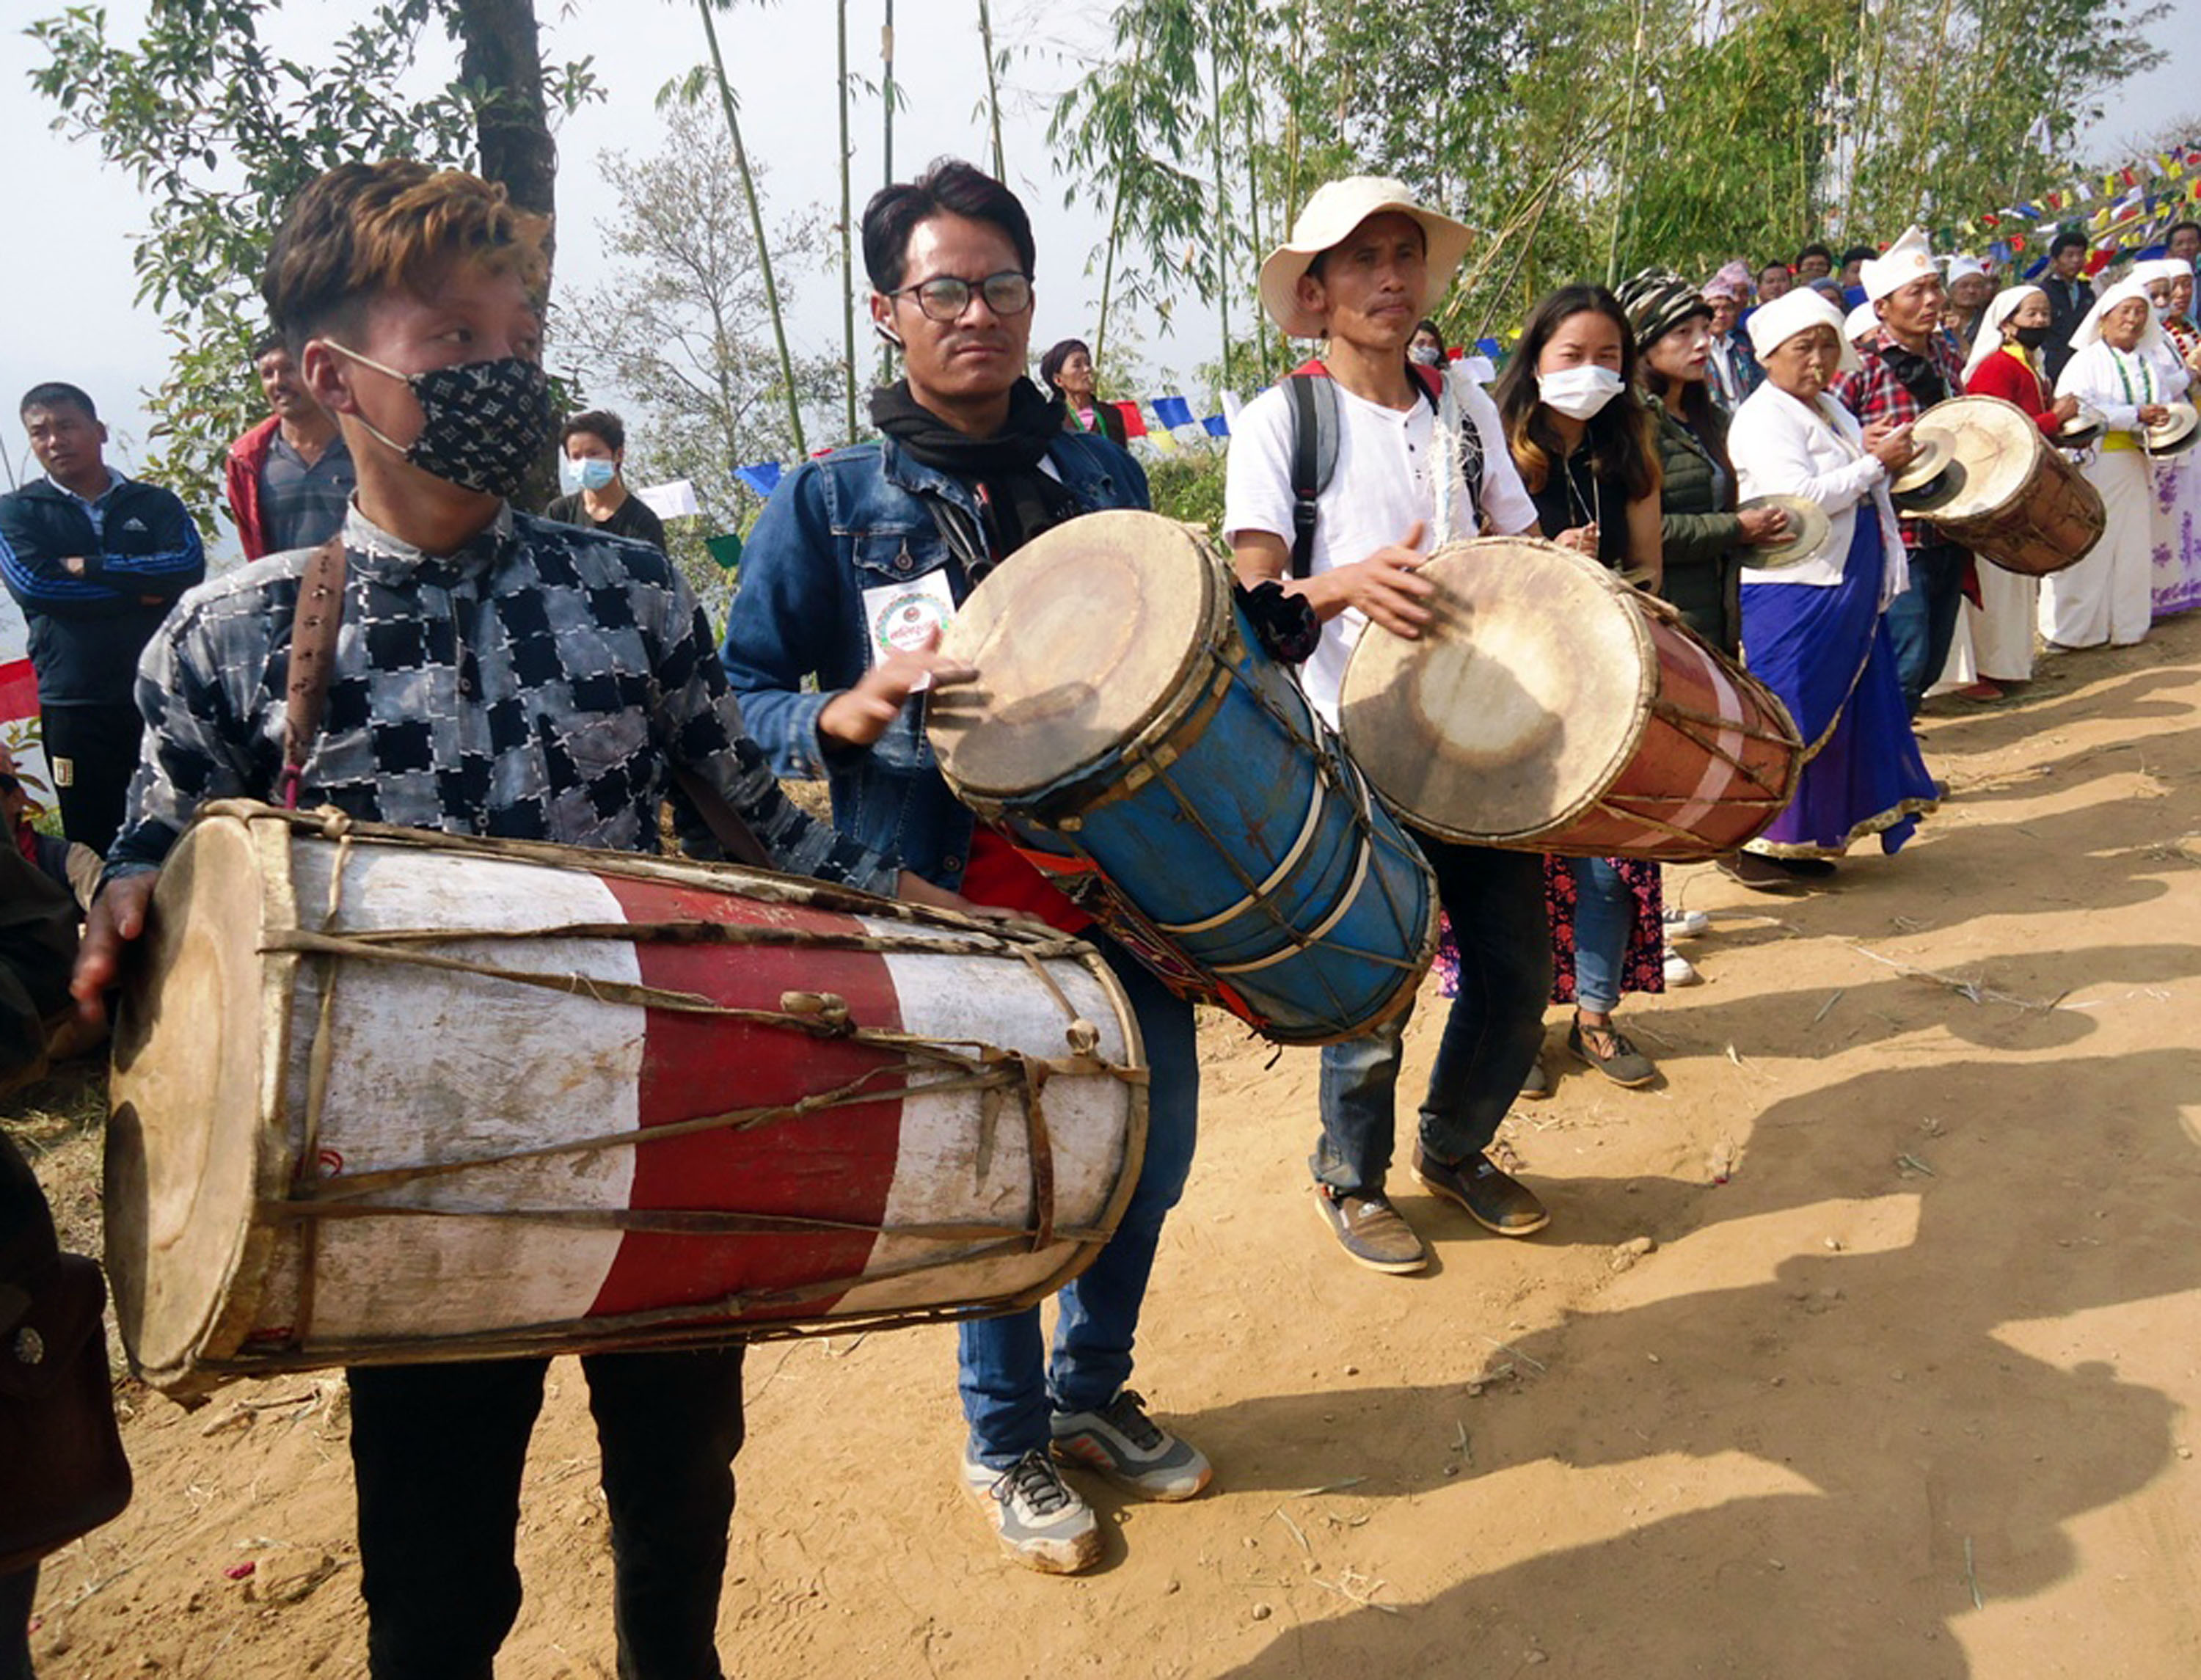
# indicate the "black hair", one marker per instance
pixel 1051 363
pixel 2178 227
pixel 269 340
pixel 1859 254
pixel 1622 447
pixel 597 423
pixel 1766 268
pixel 1815 248
pixel 56 394
pixel 2064 241
pixel 949 187
pixel 1425 324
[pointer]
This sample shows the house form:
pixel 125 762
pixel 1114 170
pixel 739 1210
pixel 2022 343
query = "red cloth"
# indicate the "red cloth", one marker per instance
pixel 2004 376
pixel 1001 875
pixel 241 473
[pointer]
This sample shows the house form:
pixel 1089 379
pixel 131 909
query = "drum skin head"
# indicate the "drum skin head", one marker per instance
pixel 1516 707
pixel 1993 446
pixel 1083 640
pixel 187 1138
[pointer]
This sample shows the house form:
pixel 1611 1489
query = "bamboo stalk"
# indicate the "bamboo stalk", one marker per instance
pixel 756 227
pixel 993 89
pixel 848 258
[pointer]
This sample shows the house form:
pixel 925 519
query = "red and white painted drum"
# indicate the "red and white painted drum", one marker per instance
pixel 393 1097
pixel 1551 706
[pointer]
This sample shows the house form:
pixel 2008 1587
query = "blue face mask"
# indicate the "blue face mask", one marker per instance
pixel 590 472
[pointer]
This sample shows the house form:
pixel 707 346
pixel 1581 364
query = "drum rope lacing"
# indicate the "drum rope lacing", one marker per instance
pixel 969 1065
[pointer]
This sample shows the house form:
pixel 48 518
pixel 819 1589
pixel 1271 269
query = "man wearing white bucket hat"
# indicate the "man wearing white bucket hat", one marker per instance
pixel 1416 464
pixel 1907 369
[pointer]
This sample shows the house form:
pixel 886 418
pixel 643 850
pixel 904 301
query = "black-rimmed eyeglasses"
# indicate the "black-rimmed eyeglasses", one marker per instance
pixel 944 297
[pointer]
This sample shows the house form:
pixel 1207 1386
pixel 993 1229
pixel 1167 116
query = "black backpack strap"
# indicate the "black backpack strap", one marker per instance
pixel 1314 458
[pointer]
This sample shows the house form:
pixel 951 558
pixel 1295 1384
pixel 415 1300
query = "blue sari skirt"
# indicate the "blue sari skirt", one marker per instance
pixel 1825 653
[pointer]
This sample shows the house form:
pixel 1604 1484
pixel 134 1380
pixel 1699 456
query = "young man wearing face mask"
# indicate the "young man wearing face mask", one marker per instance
pixel 973 462
pixel 1905 370
pixel 1363 263
pixel 493 674
pixel 592 473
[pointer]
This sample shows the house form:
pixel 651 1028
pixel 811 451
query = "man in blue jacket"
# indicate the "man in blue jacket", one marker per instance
pixel 95 560
pixel 974 462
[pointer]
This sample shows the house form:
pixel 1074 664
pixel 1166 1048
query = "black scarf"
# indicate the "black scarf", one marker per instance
pixel 1917 372
pixel 1034 423
pixel 1019 500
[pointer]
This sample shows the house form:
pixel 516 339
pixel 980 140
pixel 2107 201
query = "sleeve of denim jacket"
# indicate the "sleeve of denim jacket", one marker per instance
pixel 701 723
pixel 786 624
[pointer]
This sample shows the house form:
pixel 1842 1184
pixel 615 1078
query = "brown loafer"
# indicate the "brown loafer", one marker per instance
pixel 1493 1197
pixel 1372 1231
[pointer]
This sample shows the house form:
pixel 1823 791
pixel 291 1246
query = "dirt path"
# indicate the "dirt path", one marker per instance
pixel 1905 1398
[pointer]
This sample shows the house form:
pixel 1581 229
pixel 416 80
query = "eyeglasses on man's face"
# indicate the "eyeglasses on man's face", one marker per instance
pixel 944 297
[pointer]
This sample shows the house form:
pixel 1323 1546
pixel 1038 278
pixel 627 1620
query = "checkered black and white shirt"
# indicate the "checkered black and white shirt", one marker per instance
pixel 541 684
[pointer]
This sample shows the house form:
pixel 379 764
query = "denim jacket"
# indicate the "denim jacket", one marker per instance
pixel 853 520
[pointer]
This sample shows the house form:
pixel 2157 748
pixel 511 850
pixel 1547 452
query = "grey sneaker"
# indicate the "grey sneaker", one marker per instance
pixel 1042 1523
pixel 1121 1442
pixel 1371 1231
pixel 1614 1054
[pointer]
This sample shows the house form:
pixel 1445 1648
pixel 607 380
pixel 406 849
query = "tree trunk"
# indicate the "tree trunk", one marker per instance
pixel 500 50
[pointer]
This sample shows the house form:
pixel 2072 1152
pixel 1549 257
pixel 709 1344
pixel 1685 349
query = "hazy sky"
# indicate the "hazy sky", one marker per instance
pixel 67 295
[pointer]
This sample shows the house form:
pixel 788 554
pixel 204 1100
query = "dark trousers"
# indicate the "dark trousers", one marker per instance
pixel 1492 1030
pixel 438 1451
pixel 1922 621
pixel 18 1592
pixel 93 753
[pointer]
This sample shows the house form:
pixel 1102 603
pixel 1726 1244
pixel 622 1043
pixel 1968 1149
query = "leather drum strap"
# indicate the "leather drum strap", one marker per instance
pixel 314 628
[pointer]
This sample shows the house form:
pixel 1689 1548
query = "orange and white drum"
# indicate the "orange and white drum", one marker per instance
pixel 385 1096
pixel 1553 708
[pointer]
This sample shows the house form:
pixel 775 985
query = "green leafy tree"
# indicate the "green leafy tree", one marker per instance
pixel 219 131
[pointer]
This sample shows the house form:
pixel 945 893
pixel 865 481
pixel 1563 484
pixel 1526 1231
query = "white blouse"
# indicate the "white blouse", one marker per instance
pixel 1782 446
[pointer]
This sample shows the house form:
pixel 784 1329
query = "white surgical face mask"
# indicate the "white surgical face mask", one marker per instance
pixel 1578 392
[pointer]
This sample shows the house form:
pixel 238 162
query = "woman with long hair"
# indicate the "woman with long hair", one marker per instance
pixel 1813 632
pixel 1066 370
pixel 1588 453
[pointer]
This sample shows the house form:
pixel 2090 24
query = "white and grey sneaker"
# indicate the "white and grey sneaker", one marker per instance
pixel 1687 923
pixel 1042 1523
pixel 1124 1444
pixel 1680 970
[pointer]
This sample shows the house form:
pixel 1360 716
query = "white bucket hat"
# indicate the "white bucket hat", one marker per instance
pixel 1327 219
pixel 1773 325
pixel 1908 259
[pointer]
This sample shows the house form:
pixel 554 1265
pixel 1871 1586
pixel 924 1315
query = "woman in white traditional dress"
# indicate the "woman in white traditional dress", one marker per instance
pixel 2005 362
pixel 2108 596
pixel 2174 510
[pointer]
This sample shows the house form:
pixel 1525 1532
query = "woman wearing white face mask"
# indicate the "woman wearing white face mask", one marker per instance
pixel 1813 630
pixel 1587 453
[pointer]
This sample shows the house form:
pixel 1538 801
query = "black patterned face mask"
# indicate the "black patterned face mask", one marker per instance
pixel 484 423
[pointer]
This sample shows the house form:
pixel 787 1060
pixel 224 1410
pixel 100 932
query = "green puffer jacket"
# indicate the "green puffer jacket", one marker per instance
pixel 1702 534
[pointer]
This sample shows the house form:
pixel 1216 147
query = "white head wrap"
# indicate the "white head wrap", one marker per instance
pixel 1908 259
pixel 1988 339
pixel 1859 321
pixel 1773 325
pixel 2160 268
pixel 1966 268
pixel 2089 331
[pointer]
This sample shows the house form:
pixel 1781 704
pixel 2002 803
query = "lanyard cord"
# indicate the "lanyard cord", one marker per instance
pixel 2146 379
pixel 1595 511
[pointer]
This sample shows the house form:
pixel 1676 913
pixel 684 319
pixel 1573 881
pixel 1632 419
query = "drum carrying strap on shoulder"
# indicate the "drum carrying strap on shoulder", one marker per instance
pixel 313 626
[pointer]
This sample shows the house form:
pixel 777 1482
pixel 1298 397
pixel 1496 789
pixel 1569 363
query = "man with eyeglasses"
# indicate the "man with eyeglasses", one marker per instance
pixel 851 570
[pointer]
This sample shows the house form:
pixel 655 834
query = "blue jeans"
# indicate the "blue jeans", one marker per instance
pixel 1922 621
pixel 1604 914
pixel 1495 902
pixel 1008 1386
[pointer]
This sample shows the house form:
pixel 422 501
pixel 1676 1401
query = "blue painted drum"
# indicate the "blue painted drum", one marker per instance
pixel 1129 733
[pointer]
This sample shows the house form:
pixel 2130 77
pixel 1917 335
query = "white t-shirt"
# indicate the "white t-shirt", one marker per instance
pixel 1382 484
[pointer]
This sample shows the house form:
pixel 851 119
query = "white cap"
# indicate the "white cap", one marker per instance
pixel 1327 219
pixel 1773 325
pixel 1966 268
pixel 2160 268
pixel 1859 321
pixel 2089 331
pixel 1907 260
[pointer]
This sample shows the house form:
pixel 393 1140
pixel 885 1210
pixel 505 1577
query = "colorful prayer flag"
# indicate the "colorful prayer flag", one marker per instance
pixel 1135 423
pixel 1217 426
pixel 763 477
pixel 1172 411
